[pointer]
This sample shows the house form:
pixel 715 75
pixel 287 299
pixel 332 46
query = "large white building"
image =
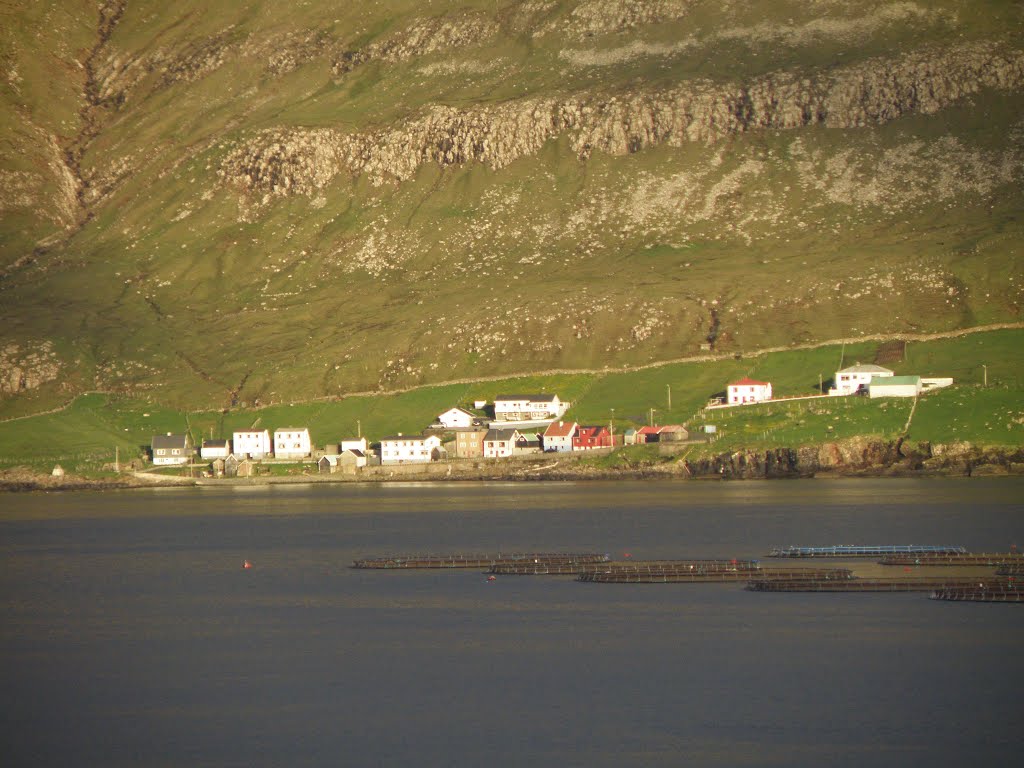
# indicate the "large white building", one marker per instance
pixel 528 407
pixel 292 443
pixel 254 443
pixel 748 391
pixel 410 449
pixel 856 378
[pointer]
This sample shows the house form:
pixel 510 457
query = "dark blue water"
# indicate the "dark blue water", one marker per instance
pixel 131 635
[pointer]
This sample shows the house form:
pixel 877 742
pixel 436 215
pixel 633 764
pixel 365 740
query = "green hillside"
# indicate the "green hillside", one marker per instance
pixel 215 205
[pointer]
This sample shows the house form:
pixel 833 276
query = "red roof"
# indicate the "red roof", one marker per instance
pixel 749 382
pixel 560 429
pixel 649 430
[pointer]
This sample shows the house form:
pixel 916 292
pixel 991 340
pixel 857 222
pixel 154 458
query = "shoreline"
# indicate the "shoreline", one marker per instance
pixel 856 458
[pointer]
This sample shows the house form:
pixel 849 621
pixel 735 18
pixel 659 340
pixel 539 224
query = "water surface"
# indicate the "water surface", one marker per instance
pixel 131 635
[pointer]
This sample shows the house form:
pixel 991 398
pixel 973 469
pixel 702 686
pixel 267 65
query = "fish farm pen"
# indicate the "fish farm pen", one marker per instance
pixel 477 560
pixel 877 585
pixel 1016 569
pixel 1009 594
pixel 967 558
pixel 682 576
pixel 853 550
pixel 695 571
pixel 560 569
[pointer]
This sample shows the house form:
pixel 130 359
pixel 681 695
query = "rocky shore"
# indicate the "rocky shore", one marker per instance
pixel 858 457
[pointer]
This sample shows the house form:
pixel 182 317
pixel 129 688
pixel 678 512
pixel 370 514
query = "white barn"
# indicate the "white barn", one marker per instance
pixel 456 418
pixel 292 443
pixel 748 391
pixel 895 386
pixel 215 449
pixel 254 443
pixel 856 378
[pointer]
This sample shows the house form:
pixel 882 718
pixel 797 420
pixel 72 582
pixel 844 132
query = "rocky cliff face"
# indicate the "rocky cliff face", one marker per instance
pixel 861 456
pixel 289 161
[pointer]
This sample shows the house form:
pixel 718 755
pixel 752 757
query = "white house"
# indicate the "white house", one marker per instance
pixel 172 449
pixel 456 418
pixel 215 449
pixel 500 443
pixel 748 391
pixel 558 436
pixel 353 444
pixel 292 443
pixel 528 407
pixel 895 386
pixel 856 378
pixel 254 443
pixel 409 449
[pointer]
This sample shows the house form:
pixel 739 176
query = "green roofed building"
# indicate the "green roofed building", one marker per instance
pixel 895 386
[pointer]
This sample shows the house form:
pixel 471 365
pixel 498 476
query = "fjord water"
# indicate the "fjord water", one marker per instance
pixel 132 635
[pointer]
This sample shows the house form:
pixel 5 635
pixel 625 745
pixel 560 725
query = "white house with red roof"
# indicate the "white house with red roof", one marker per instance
pixel 558 436
pixel 748 391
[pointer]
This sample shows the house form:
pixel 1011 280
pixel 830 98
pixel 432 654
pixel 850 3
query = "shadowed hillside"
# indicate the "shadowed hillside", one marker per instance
pixel 259 203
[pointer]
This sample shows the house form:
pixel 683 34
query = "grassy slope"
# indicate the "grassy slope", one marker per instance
pixel 184 298
pixel 83 437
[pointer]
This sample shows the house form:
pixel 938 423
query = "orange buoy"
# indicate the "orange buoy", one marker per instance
pixel 492 578
pixel 246 564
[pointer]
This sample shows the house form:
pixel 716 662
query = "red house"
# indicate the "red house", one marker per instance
pixel 591 437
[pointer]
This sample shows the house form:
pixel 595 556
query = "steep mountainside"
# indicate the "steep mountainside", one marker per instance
pixel 264 201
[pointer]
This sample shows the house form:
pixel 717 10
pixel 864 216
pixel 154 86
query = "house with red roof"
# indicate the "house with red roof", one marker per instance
pixel 588 438
pixel 558 436
pixel 663 434
pixel 748 391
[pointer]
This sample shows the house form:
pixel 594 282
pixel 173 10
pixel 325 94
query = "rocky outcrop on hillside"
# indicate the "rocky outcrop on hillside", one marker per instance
pixel 591 18
pixel 24 367
pixel 424 37
pixel 285 161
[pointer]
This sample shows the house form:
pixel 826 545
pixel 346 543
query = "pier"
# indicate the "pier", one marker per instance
pixel 855 550
pixel 484 561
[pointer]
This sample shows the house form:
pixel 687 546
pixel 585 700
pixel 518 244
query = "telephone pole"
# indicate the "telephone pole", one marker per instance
pixel 668 387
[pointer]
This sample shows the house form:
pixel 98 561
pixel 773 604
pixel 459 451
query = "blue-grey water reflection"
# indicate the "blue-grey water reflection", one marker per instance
pixel 131 634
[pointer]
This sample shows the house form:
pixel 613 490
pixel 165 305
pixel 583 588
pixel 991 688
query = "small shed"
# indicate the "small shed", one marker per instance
pixel 231 466
pixel 325 465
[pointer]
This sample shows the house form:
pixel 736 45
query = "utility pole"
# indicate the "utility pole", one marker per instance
pixel 650 417
pixel 117 459
pixel 359 428
pixel 821 388
pixel 611 427
pixel 985 367
pixel 668 387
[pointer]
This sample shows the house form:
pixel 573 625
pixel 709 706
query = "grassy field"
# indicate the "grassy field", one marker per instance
pixel 83 437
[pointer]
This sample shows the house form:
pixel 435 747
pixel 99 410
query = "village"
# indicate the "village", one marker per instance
pixel 512 426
